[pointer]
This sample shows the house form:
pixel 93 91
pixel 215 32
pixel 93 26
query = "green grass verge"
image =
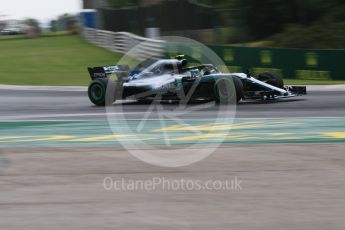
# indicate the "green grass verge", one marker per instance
pixel 50 60
pixel 312 82
pixel 60 59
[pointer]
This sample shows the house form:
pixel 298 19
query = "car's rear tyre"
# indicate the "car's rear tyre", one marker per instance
pixel 272 78
pixel 228 90
pixel 97 91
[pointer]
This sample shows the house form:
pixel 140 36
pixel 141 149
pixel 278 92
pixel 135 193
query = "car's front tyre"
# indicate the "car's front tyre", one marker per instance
pixel 228 90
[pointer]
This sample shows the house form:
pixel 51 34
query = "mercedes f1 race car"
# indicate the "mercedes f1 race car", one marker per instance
pixel 173 79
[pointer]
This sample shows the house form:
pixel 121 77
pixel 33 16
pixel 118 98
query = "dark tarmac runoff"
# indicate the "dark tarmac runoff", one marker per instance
pixel 289 186
pixel 19 104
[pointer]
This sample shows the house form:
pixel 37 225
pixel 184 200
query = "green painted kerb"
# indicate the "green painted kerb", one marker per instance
pixel 248 131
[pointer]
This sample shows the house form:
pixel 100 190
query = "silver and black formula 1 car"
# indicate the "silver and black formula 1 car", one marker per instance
pixel 172 79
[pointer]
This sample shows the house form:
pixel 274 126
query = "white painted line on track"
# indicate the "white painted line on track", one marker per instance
pixel 77 115
pixel 58 115
pixel 338 87
pixel 325 88
pixel 51 118
pixel 45 88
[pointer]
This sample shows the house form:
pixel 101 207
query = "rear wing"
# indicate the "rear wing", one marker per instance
pixel 121 71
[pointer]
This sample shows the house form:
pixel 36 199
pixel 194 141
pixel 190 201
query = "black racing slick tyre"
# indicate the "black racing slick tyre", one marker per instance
pixel 272 78
pixel 228 90
pixel 239 88
pixel 97 91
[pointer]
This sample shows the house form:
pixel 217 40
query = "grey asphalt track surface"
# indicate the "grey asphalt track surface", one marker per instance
pixel 49 104
pixel 283 186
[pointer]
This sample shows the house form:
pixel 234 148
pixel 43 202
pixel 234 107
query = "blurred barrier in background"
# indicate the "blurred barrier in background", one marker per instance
pixel 123 42
pixel 291 63
pixel 301 64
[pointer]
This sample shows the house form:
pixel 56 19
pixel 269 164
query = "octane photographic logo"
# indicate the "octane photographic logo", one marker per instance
pixel 172 133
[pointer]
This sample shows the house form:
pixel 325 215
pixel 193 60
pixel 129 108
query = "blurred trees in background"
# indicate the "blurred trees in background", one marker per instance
pixel 287 23
pixel 2 25
pixel 68 23
pixel 33 27
pixel 65 22
pixel 267 17
pixel 290 23
pixel 124 3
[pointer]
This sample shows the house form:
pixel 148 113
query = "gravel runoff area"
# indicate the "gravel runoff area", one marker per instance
pixel 289 186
